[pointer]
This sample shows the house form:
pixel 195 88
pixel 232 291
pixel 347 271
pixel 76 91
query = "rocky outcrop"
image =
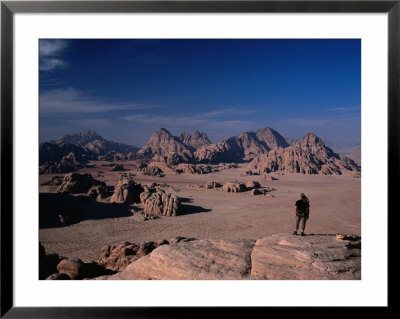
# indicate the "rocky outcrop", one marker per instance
pixel 54 267
pixel 53 153
pixel 126 191
pixel 278 257
pixel 97 145
pixel 152 171
pixel 321 257
pixel 211 185
pixel 193 169
pixel 252 185
pixel 98 192
pixel 75 183
pixel 193 260
pixel 159 202
pixel 234 187
pixel 119 257
pixel 54 181
pixel 61 158
pixel 241 148
pixel 112 156
pixel 308 156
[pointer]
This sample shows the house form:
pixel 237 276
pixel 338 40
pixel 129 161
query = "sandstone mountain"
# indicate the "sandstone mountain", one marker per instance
pixel 241 148
pixel 50 152
pixel 271 137
pixel 80 139
pixel 196 140
pixel 163 146
pixel 96 144
pixel 308 156
pixel 61 158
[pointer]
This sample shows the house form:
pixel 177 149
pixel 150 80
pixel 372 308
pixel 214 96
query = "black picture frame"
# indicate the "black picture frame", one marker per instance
pixel 9 8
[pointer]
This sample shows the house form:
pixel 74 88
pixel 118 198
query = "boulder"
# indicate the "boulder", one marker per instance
pixel 126 191
pixel 73 267
pixel 159 202
pixel 212 185
pixel 153 171
pixel 97 191
pixel 252 185
pixel 59 276
pixel 234 187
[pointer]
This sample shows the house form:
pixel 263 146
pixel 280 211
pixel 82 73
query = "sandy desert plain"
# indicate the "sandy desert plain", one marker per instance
pixel 208 213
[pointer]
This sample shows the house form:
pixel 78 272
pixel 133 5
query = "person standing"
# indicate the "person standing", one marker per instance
pixel 302 212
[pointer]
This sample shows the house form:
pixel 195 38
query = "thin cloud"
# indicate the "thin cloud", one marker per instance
pixel 205 120
pixel 72 101
pixel 51 54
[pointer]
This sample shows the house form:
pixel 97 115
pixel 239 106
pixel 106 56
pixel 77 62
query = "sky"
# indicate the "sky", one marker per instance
pixel 126 89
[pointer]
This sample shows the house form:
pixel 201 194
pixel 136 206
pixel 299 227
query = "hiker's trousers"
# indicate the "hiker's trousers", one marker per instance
pixel 303 221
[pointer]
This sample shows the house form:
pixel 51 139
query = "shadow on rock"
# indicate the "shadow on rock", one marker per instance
pixel 57 210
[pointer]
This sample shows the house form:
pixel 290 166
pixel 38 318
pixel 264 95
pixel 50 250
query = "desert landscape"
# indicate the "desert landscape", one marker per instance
pixel 182 207
pixel 183 159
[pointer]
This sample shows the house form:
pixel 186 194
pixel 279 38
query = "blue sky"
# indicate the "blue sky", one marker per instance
pixel 127 89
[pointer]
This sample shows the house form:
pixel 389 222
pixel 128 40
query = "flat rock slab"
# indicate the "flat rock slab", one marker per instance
pixel 278 257
pixel 318 257
pixel 199 259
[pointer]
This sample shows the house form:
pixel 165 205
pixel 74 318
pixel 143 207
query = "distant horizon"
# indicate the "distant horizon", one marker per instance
pixel 127 89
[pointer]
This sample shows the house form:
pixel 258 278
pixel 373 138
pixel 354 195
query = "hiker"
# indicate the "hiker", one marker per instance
pixel 302 211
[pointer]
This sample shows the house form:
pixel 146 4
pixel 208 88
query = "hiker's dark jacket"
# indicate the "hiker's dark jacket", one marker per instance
pixel 302 208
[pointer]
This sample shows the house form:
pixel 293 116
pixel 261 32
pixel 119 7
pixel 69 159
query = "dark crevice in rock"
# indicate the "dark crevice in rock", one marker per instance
pixel 247 271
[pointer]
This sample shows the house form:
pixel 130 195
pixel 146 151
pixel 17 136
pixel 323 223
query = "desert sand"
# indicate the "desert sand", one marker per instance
pixel 212 213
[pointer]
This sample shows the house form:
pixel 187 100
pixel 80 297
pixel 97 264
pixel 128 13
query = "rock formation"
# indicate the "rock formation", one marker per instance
pixel 252 185
pixel 241 148
pixel 153 171
pixel 126 191
pixel 271 138
pixel 308 156
pixel 97 145
pixel 61 158
pixel 75 183
pixel 195 141
pixel 167 148
pixel 160 202
pixel 211 185
pixel 279 257
pixel 193 169
pixel 98 192
pixel 234 187
pixel 54 267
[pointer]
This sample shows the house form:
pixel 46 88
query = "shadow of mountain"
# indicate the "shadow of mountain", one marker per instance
pixel 58 210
